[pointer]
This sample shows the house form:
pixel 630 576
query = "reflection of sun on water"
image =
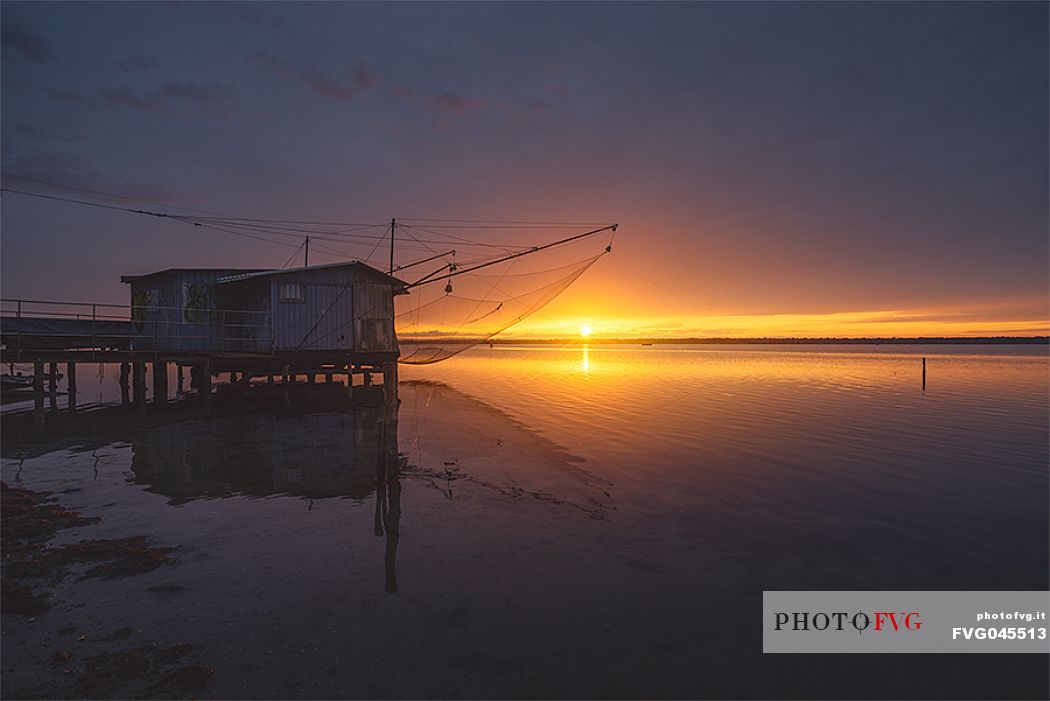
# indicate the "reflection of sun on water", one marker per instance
pixel 585 364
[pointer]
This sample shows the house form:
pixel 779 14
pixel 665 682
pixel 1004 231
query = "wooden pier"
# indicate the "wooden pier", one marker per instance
pixel 274 328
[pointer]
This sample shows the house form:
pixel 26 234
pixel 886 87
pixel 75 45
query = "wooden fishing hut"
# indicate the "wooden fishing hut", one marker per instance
pixel 320 320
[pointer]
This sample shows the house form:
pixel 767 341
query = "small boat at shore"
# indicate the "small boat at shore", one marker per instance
pixel 18 381
pixel 15 380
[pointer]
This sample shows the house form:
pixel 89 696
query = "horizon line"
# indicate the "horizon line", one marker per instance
pixel 898 340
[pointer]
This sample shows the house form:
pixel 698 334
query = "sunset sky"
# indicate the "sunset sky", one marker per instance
pixel 779 169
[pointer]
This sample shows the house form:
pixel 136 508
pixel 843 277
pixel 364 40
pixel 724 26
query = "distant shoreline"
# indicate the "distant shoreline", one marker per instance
pixel 895 341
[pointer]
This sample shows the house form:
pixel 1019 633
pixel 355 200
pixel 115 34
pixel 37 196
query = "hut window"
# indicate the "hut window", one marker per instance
pixel 290 292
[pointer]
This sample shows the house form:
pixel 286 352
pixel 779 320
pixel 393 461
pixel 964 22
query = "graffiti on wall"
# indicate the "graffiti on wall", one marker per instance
pixel 194 302
pixel 140 303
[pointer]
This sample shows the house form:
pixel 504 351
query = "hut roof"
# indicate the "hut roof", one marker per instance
pixel 223 271
pixel 255 274
pixel 227 275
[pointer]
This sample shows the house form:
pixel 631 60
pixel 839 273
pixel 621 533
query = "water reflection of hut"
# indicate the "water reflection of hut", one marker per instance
pixel 312 455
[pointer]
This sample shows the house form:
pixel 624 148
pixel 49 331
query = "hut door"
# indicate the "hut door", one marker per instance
pixel 373 317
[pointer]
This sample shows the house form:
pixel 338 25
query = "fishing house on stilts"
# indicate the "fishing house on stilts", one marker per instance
pixel 309 325
pixel 288 323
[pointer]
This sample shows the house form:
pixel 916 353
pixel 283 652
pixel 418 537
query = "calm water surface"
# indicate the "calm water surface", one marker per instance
pixel 574 522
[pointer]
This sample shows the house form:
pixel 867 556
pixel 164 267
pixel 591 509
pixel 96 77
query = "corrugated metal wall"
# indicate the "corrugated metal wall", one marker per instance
pixel 248 324
pixel 323 320
pixel 341 309
pixel 374 317
pixel 178 311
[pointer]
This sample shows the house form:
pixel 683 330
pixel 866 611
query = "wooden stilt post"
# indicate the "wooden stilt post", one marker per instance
pixel 125 372
pixel 138 380
pixel 52 386
pixel 329 377
pixel 71 386
pixel 311 378
pixel 205 385
pixel 269 378
pixel 392 518
pixel 180 381
pixel 38 409
pixel 924 373
pixel 390 384
pixel 160 381
pixel 286 381
pixel 38 394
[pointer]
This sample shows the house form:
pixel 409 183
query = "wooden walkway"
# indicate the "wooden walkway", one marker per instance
pixel 90 333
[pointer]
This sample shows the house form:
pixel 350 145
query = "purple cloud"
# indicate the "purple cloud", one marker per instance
pixel 21 44
pixel 36 132
pixel 196 91
pixel 459 105
pixel 168 98
pixel 133 63
pixel 360 77
pixel 126 98
pixel 69 96
pixel 452 102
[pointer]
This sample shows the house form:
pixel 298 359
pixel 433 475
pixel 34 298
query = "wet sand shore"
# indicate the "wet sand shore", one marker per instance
pixel 178 555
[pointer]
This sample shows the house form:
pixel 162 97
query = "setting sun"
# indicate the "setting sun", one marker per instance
pixel 585 330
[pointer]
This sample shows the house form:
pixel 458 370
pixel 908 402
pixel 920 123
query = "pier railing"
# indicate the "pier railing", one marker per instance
pixel 96 325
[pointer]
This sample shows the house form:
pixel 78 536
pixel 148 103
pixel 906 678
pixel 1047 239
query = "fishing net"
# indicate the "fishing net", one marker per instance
pixel 440 320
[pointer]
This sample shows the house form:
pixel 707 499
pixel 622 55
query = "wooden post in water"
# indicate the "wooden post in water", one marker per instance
pixel 38 376
pixel 125 372
pixel 390 477
pixel 160 382
pixel 138 383
pixel 924 373
pixel 52 377
pixel 205 385
pixel 390 384
pixel 286 380
pixel 180 382
pixel 38 410
pixel 71 385
pixel 38 394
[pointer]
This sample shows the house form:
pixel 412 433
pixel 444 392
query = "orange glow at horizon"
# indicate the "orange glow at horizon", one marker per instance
pixel 840 325
pixel 609 302
pixel 891 323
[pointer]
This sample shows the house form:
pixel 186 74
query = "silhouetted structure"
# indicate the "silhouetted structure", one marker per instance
pixel 323 321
